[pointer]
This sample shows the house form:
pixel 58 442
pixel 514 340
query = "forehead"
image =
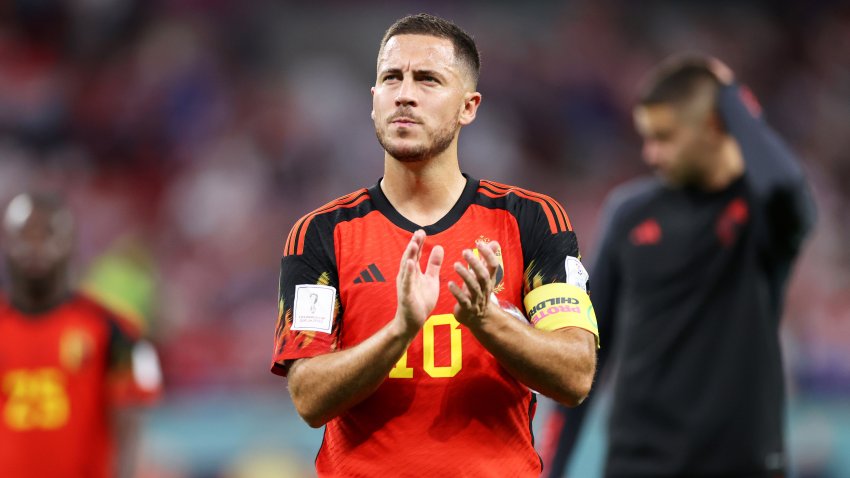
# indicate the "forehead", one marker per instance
pixel 417 52
pixel 23 214
pixel 17 213
pixel 655 117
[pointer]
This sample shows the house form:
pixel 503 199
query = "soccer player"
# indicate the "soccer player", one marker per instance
pixel 688 282
pixel 66 363
pixel 417 368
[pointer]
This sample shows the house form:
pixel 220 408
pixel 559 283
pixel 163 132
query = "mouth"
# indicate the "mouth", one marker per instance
pixel 404 121
pixel 33 268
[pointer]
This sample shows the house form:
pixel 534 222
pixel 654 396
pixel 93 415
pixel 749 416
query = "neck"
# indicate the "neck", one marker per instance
pixel 728 168
pixel 37 296
pixel 423 191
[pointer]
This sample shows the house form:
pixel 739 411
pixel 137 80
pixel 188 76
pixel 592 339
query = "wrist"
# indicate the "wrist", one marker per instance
pixel 401 329
pixel 493 320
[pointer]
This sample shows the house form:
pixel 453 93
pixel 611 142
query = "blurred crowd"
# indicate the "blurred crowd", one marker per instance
pixel 189 135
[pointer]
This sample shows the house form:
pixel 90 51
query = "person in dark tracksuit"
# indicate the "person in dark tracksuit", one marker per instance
pixel 688 284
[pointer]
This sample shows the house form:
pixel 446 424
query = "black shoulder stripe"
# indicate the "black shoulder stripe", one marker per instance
pixel 295 241
pixel 555 214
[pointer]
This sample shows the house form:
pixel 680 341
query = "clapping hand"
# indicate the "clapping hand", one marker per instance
pixel 479 279
pixel 417 291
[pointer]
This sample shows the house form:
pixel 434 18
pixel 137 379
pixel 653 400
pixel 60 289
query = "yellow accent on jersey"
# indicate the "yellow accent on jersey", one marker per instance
pixel 455 345
pixel 36 399
pixel 559 305
pixel 401 370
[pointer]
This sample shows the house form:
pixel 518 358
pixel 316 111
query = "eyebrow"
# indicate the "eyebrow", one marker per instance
pixel 422 72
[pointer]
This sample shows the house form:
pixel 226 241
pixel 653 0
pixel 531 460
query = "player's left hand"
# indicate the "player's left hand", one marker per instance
pixel 721 70
pixel 479 278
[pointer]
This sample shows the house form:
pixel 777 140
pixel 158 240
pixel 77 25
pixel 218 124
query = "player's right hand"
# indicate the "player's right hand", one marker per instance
pixel 417 291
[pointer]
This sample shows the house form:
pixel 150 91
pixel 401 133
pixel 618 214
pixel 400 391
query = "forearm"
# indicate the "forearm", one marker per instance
pixel 559 364
pixel 772 168
pixel 324 386
pixel 769 160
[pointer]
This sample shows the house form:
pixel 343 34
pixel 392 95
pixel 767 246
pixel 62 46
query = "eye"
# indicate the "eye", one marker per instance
pixel 391 77
pixel 430 79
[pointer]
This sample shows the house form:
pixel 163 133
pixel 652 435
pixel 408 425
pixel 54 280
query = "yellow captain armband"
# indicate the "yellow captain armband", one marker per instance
pixel 559 305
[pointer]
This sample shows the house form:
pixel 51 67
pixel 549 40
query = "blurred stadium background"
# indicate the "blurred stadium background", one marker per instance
pixel 189 135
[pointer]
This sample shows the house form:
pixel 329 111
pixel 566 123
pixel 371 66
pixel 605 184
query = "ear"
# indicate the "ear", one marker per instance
pixel 714 124
pixel 372 90
pixel 471 101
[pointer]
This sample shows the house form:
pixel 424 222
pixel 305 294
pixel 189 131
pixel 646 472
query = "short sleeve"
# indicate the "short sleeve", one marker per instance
pixel 546 244
pixel 308 296
pixel 555 281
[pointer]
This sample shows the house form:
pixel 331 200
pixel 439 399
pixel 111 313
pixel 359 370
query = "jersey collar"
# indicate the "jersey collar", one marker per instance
pixel 382 204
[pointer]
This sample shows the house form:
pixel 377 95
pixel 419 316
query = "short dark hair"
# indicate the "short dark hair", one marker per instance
pixel 425 24
pixel 678 80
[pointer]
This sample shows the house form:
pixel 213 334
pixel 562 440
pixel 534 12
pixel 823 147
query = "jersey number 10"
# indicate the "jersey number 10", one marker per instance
pixel 401 370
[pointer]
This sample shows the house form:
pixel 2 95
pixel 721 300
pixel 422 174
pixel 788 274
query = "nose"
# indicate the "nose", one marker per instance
pixel 406 93
pixel 651 153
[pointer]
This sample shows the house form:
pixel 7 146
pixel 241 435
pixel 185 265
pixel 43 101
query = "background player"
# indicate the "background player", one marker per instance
pixel 436 383
pixel 66 363
pixel 688 282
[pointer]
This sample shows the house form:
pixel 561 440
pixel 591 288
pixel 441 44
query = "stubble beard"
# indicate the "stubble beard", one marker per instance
pixel 441 141
pixel 684 176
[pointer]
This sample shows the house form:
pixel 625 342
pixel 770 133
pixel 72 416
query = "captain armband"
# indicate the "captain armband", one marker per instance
pixel 559 305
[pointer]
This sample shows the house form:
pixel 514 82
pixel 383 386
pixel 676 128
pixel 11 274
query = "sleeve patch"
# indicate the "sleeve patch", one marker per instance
pixel 313 308
pixel 146 369
pixel 576 273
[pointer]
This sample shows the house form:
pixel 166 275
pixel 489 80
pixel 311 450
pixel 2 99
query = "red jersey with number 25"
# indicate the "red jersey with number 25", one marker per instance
pixel 61 373
pixel 447 408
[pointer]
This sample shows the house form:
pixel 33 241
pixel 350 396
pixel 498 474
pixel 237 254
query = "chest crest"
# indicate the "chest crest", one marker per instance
pixel 500 272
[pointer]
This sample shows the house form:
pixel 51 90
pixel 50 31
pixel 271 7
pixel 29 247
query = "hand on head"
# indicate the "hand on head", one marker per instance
pixel 722 71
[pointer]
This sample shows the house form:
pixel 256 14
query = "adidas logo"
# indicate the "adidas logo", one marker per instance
pixel 370 274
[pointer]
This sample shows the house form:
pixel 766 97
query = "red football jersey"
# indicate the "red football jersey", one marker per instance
pixel 447 408
pixel 61 373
